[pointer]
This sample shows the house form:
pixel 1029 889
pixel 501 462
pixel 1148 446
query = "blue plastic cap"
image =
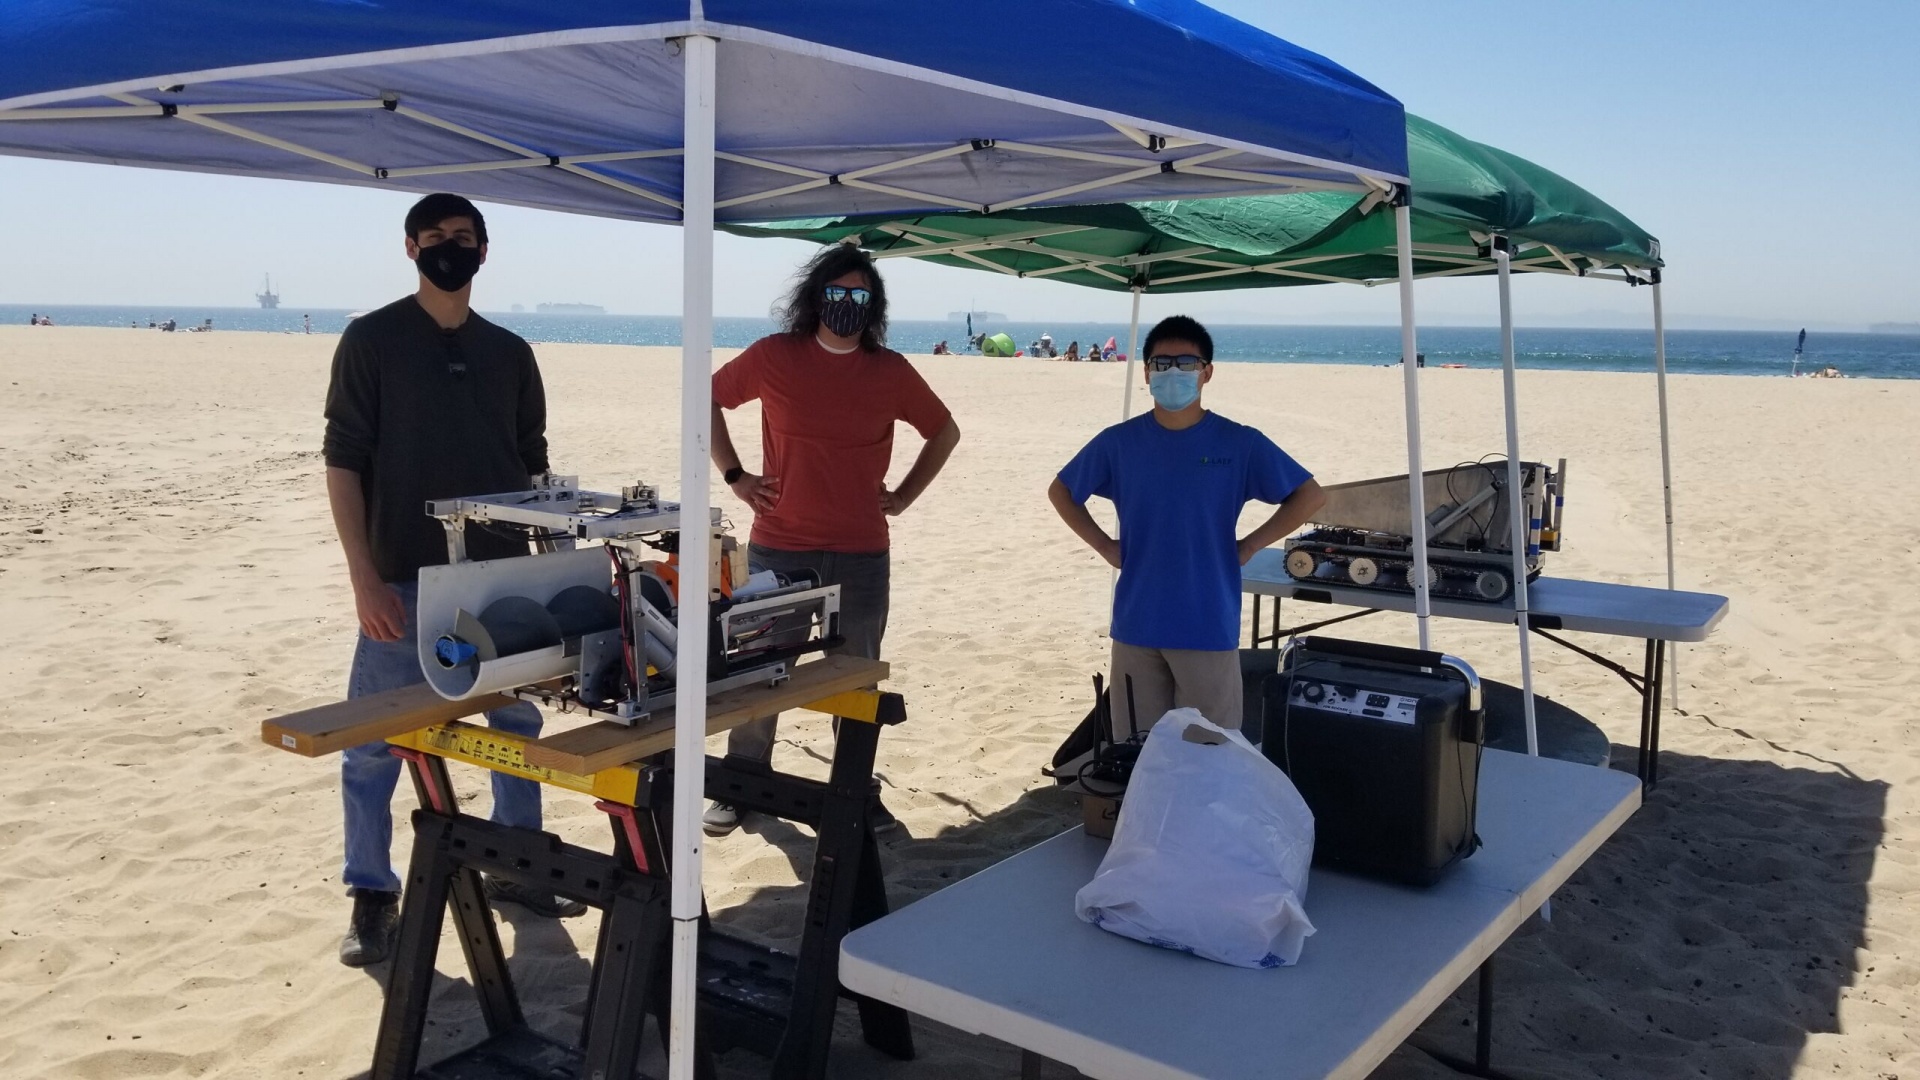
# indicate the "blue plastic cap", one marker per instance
pixel 452 652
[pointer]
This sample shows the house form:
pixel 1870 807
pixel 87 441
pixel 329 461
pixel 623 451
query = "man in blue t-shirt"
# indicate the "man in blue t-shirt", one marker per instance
pixel 1178 477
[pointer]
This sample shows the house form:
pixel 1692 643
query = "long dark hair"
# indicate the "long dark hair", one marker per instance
pixel 799 314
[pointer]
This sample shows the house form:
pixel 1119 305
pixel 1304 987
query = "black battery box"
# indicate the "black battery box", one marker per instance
pixel 1384 744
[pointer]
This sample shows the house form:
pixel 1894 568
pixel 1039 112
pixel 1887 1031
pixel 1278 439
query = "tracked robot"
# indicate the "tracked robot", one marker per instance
pixel 1362 536
pixel 590 623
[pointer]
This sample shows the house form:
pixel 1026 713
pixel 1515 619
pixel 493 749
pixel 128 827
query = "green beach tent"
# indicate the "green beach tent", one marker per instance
pixel 998 345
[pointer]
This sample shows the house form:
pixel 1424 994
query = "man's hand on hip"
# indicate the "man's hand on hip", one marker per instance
pixel 760 492
pixel 382 616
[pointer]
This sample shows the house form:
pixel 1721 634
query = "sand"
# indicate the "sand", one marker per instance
pixel 170 902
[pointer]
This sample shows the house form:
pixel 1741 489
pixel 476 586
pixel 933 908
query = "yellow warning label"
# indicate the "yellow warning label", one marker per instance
pixel 504 752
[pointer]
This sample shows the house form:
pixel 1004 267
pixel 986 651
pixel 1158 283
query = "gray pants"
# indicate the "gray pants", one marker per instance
pixel 1166 679
pixel 863 579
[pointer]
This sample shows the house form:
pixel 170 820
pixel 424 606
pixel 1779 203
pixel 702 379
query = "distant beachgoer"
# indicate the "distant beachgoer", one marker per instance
pixel 307 321
pixel 427 400
pixel 1178 477
pixel 830 394
pixel 941 349
pixel 1073 350
pixel 33 319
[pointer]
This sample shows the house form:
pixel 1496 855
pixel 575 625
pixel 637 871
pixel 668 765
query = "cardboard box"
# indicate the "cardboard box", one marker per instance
pixel 1098 814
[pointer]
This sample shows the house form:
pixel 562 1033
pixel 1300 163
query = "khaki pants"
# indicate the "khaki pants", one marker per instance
pixel 1166 679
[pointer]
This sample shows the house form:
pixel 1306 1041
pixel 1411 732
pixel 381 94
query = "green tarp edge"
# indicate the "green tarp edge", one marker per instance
pixel 1463 191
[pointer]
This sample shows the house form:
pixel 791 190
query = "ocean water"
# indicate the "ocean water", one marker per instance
pixel 1709 352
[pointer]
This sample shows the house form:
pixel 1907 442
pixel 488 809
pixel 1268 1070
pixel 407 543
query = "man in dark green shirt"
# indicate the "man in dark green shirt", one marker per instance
pixel 428 401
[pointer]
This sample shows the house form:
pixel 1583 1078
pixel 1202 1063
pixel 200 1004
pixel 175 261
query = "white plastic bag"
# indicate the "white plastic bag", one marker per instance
pixel 1211 852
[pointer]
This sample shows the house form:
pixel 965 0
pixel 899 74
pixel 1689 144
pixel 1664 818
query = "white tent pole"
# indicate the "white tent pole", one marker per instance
pixel 696 427
pixel 1410 364
pixel 1133 356
pixel 1519 526
pixel 1666 473
pixel 1126 399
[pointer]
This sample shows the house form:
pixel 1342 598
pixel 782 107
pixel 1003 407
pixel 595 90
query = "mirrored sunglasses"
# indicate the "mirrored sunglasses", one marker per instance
pixel 837 293
pixel 1185 362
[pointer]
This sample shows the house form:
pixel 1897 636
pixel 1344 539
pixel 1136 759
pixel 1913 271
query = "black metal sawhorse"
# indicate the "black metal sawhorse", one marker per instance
pixel 450 852
pixel 752 997
pixel 744 986
pixel 1648 682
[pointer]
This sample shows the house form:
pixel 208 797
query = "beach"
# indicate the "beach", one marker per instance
pixel 171 904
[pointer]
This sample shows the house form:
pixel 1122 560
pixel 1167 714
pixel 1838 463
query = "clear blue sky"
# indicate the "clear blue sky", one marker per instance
pixel 1773 147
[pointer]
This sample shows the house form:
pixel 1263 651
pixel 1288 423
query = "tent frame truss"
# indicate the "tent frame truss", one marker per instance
pixel 1201 164
pixel 929 239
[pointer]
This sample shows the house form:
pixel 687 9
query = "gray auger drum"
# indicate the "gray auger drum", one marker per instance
pixel 1363 535
pixel 590 622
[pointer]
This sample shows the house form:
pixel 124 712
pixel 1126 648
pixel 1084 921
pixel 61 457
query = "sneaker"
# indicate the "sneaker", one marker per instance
pixel 535 900
pixel 376 915
pixel 719 820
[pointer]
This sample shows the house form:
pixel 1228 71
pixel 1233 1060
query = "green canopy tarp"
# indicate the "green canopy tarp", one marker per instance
pixel 1464 192
pixel 1466 197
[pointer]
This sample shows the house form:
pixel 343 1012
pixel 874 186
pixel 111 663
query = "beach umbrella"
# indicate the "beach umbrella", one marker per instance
pixel 1475 209
pixel 695 112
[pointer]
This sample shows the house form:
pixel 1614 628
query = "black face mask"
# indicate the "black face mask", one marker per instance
pixel 448 265
pixel 844 317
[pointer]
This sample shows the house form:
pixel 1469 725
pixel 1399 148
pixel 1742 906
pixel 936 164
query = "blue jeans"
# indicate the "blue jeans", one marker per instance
pixel 368 773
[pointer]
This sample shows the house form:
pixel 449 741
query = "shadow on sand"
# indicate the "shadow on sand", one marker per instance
pixel 549 973
pixel 1712 936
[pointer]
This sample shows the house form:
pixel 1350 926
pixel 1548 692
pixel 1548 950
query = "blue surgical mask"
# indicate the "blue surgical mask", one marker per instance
pixel 1174 389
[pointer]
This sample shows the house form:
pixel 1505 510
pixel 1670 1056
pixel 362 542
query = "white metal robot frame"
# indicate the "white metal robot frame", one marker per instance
pixel 591 622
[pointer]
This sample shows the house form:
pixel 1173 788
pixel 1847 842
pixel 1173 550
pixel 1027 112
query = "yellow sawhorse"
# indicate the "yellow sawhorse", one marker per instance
pixel 778 1006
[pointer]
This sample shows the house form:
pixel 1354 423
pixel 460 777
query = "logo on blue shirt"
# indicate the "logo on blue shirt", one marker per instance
pixel 1216 461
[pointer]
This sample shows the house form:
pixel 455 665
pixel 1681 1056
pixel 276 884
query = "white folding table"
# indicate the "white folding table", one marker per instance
pixel 1002 954
pixel 1554 604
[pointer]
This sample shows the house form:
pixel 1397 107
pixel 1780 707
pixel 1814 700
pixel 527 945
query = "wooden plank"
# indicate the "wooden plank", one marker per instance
pixel 598 746
pixel 330 729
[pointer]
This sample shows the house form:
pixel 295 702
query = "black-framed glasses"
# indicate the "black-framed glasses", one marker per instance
pixel 1185 362
pixel 837 293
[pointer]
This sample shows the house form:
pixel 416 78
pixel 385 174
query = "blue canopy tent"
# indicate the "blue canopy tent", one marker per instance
pixel 693 111
pixel 845 107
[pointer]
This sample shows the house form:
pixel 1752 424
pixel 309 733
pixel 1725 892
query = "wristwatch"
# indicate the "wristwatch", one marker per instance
pixel 732 476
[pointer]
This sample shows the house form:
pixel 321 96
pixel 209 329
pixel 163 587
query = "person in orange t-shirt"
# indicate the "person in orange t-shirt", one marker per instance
pixel 830 392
